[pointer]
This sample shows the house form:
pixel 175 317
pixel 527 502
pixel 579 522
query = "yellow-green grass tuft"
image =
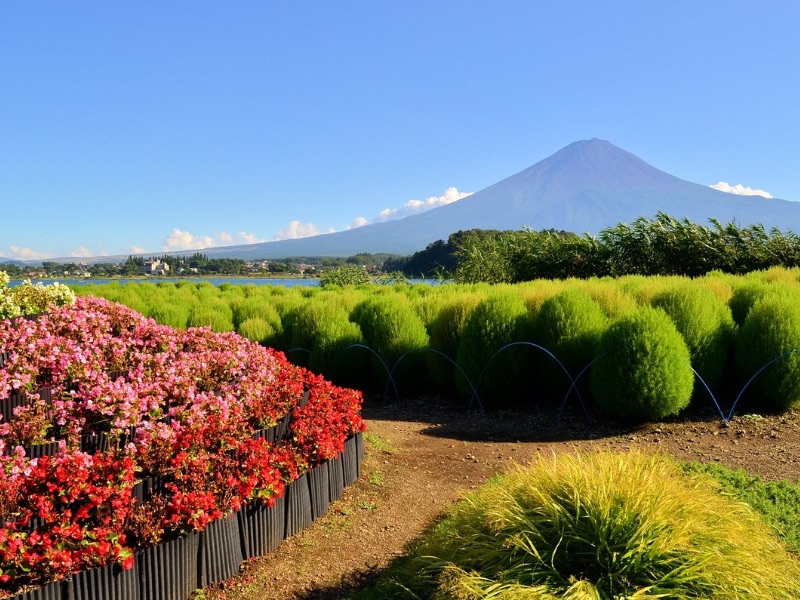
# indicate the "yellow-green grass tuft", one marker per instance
pixel 605 526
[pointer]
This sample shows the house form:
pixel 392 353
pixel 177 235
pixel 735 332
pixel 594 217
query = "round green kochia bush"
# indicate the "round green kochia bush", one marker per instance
pixel 497 321
pixel 445 333
pixel 306 320
pixel 705 323
pixel 771 329
pixel 427 306
pixel 211 313
pixel 173 313
pixel 610 296
pixel 744 296
pixel 751 288
pixel 569 325
pixel 287 306
pixel 259 308
pixel 335 354
pixel 392 330
pixel 600 526
pixel 644 370
pixel 258 330
pixel 322 327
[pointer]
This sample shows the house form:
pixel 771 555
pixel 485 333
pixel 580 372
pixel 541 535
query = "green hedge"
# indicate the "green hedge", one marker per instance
pixel 469 323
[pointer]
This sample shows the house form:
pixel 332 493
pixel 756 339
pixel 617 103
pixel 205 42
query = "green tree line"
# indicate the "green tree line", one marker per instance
pixel 663 245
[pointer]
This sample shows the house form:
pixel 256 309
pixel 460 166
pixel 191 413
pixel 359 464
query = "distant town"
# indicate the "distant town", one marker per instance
pixel 196 265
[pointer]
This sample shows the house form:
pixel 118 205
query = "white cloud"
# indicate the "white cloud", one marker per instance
pixel 414 207
pixel 296 229
pixel 22 253
pixel 250 238
pixel 739 190
pixel 357 222
pixel 81 252
pixel 137 250
pixel 179 239
pixel 183 240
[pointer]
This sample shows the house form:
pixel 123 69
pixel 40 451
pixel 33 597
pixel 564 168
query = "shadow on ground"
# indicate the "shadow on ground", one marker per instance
pixel 451 420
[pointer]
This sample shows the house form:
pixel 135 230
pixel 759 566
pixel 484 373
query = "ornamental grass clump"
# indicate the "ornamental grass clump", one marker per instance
pixel 600 526
pixel 643 371
pixel 772 331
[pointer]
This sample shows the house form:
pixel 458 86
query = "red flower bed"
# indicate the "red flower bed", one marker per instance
pixel 175 407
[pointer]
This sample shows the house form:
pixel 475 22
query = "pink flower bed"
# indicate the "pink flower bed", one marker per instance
pixel 180 408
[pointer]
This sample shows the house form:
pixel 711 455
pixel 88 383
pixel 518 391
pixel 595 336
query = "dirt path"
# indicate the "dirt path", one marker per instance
pixel 421 457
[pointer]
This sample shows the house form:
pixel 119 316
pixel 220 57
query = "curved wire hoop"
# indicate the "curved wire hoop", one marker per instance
pixel 546 351
pixel 388 372
pixel 726 418
pixel 298 349
pixel 454 363
pixel 756 374
pixel 574 386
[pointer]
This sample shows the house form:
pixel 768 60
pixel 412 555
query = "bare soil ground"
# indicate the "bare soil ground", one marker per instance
pixel 424 454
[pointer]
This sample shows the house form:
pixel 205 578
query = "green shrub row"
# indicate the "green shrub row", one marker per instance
pixel 642 335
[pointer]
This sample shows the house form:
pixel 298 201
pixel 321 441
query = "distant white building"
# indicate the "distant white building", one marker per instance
pixel 154 267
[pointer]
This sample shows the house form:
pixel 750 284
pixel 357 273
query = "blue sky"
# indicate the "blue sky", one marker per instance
pixel 152 126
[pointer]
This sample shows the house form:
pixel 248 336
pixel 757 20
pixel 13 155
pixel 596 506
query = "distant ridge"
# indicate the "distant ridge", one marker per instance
pixel 585 187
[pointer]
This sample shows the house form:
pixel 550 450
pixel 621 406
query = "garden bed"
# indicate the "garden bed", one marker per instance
pixel 124 435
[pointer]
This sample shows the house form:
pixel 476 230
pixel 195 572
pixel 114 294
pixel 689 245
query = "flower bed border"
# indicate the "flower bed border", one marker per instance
pixel 174 569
